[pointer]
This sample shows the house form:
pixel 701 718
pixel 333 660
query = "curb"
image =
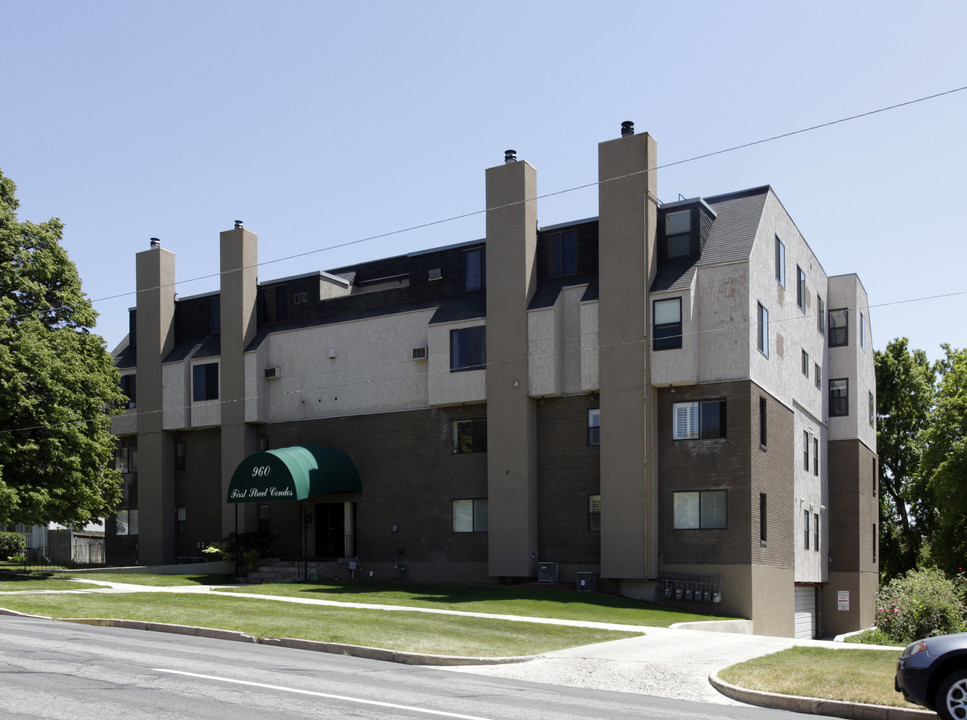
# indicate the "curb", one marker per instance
pixel 817 706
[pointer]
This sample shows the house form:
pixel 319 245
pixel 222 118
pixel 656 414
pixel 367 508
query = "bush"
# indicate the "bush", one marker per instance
pixel 920 604
pixel 12 545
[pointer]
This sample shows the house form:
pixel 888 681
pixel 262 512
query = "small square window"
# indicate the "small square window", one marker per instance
pixel 470 515
pixel 469 436
pixel 205 382
pixel 594 427
pixel 705 419
pixel 468 348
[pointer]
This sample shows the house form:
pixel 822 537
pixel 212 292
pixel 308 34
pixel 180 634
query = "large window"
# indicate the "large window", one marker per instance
pixel 594 427
pixel 800 288
pixel 762 331
pixel 780 262
pixel 469 436
pixel 475 269
pixel 678 234
pixel 204 382
pixel 468 348
pixel 594 513
pixel 127 522
pixel 839 397
pixel 560 253
pixel 470 515
pixel 668 324
pixel 705 419
pixel 839 327
pixel 704 509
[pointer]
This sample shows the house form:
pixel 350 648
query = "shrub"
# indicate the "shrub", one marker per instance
pixel 12 545
pixel 920 604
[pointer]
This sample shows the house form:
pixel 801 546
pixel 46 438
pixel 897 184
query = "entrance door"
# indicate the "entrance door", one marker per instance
pixel 330 530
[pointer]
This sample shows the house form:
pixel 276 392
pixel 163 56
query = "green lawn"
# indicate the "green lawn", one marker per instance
pixel 404 631
pixel 863 676
pixel 12 582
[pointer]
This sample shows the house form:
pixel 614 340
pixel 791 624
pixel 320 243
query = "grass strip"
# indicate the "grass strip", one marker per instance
pixel 403 631
pixel 10 582
pixel 853 675
pixel 153 580
pixel 489 599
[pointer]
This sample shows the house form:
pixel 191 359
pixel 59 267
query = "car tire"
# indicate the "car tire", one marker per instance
pixel 952 696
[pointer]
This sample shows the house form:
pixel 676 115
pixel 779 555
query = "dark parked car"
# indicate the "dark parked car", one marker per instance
pixel 933 673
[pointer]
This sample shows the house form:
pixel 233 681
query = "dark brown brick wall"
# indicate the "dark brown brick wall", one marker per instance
pixel 736 464
pixel 198 489
pixel 853 507
pixel 568 472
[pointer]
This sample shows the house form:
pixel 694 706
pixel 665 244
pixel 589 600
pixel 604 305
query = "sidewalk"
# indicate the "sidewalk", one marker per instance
pixel 667 662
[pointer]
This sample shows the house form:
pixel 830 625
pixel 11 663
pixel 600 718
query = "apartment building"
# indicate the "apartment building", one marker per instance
pixel 672 402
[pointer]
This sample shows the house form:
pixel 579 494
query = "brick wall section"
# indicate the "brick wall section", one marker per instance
pixel 736 464
pixel 409 478
pixel 198 489
pixel 853 507
pixel 568 472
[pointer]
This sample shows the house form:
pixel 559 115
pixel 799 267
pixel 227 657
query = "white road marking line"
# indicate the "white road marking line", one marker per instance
pixel 324 695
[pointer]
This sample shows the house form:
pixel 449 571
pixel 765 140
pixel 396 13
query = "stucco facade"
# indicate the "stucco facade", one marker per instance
pixel 643 396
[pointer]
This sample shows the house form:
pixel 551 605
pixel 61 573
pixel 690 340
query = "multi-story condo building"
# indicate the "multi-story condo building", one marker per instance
pixel 669 401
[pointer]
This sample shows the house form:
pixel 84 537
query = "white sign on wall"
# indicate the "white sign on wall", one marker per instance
pixel 842 599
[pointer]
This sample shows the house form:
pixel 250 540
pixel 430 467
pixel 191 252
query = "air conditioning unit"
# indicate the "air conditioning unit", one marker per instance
pixel 419 353
pixel 547 572
pixel 435 274
pixel 272 373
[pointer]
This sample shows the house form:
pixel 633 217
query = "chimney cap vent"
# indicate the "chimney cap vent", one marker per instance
pixel 510 156
pixel 627 128
pixel 155 243
pixel 238 224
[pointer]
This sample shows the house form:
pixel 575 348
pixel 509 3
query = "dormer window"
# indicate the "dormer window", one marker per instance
pixel 560 253
pixel 678 234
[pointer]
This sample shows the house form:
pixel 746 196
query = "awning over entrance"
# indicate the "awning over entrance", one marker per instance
pixel 292 473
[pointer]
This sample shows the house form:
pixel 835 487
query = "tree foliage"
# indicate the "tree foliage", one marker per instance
pixel 944 465
pixel 57 385
pixel 904 397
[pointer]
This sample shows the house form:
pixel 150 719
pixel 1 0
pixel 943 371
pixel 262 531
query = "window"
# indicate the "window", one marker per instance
pixel 762 335
pixel 839 327
pixel 871 404
pixel 678 234
pixel 468 348
pixel 594 427
pixel 594 513
pixel 862 331
pixel 805 520
pixel 130 390
pixel 182 523
pixel 874 542
pixel 839 397
pixel 560 253
pixel 820 315
pixel 300 298
pixel 475 269
pixel 801 288
pixel 705 419
pixel 668 324
pixel 126 459
pixel 818 373
pixel 180 455
pixel 469 436
pixel 205 382
pixel 805 451
pixel 816 532
pixel 275 304
pixel 763 517
pixel 127 522
pixel 470 516
pixel 705 509
pixel 763 430
pixel 780 262
pixel 816 456
pixel 805 363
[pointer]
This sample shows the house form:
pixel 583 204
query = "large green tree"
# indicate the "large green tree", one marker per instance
pixel 944 466
pixel 57 385
pixel 904 398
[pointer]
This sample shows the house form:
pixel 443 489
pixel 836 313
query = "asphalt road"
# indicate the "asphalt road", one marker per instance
pixel 55 670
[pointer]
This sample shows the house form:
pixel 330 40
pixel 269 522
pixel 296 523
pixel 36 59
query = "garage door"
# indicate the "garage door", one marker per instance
pixel 805 612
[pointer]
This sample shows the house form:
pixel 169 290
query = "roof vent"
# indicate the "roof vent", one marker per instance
pixel 627 128
pixel 238 224
pixel 510 156
pixel 155 243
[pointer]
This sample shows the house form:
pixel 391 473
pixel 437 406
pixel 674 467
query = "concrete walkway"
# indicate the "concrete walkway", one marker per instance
pixel 668 662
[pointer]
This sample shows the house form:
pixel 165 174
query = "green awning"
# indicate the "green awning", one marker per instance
pixel 292 473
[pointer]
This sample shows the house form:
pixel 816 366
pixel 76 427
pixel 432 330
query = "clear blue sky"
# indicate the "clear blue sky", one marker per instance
pixel 324 123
